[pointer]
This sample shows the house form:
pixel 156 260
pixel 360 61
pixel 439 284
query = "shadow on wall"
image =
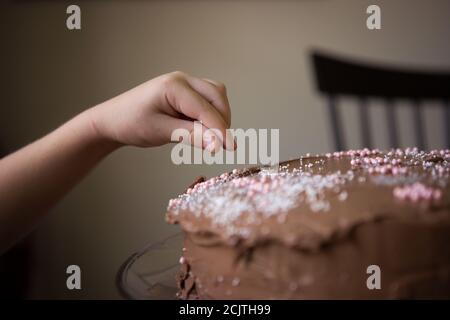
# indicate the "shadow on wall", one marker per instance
pixel 15 270
pixel 15 266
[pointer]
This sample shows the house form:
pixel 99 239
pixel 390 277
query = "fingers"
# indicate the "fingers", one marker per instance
pixel 215 93
pixel 191 133
pixel 193 105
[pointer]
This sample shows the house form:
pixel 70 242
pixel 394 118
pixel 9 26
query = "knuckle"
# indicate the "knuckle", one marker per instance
pixel 174 76
pixel 178 75
pixel 222 88
pixel 170 79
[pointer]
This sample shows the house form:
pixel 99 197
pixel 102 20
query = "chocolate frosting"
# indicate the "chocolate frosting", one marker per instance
pixel 310 228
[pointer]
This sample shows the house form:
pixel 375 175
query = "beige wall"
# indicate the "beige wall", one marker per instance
pixel 258 48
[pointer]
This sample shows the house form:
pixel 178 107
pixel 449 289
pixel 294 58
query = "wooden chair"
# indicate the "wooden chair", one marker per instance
pixel 340 77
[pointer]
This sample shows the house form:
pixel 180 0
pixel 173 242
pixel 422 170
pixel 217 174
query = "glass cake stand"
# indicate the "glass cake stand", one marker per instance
pixel 150 273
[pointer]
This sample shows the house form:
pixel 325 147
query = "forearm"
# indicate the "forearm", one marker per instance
pixel 38 175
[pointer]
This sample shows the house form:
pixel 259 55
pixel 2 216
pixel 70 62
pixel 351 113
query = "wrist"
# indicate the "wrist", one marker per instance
pixel 96 132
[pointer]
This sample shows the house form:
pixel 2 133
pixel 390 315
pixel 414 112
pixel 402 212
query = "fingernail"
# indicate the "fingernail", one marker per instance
pixel 230 142
pixel 208 138
pixel 211 142
pixel 211 147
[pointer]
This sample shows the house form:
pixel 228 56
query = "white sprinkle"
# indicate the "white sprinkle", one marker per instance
pixel 343 196
pixel 235 282
pixel 293 286
pixel 274 191
pixel 266 193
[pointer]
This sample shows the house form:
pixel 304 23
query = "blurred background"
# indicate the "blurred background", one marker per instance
pixel 259 49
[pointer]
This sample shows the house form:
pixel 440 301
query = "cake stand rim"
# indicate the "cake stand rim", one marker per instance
pixel 121 275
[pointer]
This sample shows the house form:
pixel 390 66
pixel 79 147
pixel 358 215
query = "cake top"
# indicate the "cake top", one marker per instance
pixel 308 201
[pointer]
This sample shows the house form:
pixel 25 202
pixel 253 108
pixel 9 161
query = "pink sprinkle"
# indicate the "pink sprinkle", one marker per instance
pixel 437 194
pixel 417 192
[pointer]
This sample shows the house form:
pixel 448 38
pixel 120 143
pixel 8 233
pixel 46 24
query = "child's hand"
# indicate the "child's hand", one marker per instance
pixel 146 115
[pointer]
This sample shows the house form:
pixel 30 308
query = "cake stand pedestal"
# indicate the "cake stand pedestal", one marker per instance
pixel 150 273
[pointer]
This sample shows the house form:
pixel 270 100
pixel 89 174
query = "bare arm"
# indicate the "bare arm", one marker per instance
pixel 35 177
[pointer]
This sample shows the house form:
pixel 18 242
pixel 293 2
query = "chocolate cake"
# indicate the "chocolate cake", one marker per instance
pixel 319 227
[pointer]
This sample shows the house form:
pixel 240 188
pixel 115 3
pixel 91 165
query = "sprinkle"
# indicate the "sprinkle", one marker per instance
pixel 267 194
pixel 417 192
pixel 343 196
pixel 293 286
pixel 274 192
pixel 306 280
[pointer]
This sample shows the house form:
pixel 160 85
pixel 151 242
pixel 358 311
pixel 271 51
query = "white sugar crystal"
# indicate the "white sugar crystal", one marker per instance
pixel 275 191
pixel 343 196
pixel 265 193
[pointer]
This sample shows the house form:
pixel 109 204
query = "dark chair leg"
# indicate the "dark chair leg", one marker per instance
pixel 365 123
pixel 335 123
pixel 391 121
pixel 418 125
pixel 447 123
